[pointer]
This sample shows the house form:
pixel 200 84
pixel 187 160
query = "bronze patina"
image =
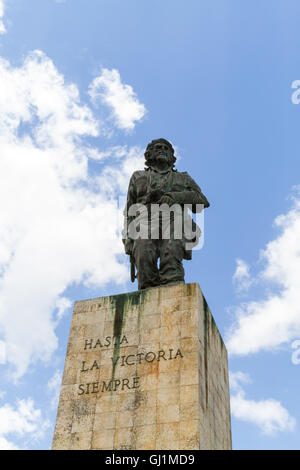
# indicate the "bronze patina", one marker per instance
pixel 160 185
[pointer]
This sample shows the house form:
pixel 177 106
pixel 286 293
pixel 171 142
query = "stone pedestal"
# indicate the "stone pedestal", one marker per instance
pixel 144 370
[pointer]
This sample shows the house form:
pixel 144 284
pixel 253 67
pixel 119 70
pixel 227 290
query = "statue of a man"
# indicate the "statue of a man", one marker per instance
pixel 153 192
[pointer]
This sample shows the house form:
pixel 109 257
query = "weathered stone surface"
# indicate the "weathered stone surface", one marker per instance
pixel 144 370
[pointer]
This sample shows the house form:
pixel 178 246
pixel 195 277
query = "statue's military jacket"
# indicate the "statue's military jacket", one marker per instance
pixel 148 186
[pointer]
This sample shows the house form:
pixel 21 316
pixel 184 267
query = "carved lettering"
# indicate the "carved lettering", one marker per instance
pixel 125 382
pixel 123 360
pixel 95 388
pixel 139 356
pixel 105 343
pixel 88 343
pixel 161 354
pixel 129 363
pixel 178 354
pixel 123 340
pixel 113 385
pixel 95 364
pixel 108 385
pixel 86 368
pixel 116 384
pixel 135 382
pixel 83 367
pixel 150 356
pixel 98 343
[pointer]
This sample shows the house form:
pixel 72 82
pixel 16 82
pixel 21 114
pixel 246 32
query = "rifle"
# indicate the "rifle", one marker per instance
pixel 132 268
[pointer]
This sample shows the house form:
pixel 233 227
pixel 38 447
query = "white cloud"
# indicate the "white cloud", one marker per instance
pixel 2 27
pixel 22 420
pixel 117 176
pixel 53 387
pixel 269 415
pixel 2 352
pixel 125 106
pixel 113 153
pixel 274 320
pixel 236 378
pixel 241 277
pixel 296 354
pixel 58 223
pixel 63 305
pixel 7 445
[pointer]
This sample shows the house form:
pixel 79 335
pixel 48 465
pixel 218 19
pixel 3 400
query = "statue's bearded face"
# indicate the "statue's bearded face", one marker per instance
pixel 161 153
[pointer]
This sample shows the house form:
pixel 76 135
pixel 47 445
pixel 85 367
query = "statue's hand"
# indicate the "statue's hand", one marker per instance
pixel 128 245
pixel 166 199
pixel 154 196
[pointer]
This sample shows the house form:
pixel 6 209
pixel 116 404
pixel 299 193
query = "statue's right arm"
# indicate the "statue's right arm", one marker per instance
pixel 131 199
pixel 190 194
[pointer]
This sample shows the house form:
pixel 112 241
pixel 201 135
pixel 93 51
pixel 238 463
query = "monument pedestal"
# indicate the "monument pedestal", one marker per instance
pixel 144 370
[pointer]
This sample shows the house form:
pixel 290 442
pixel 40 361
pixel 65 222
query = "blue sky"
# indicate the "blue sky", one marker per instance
pixel 84 86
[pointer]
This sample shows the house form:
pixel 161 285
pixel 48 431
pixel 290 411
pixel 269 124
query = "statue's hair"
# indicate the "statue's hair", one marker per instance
pixel 149 151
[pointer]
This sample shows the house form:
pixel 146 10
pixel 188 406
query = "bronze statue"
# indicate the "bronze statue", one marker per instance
pixel 156 195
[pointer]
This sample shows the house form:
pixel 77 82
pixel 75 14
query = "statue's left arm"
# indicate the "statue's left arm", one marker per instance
pixel 188 193
pixel 131 199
